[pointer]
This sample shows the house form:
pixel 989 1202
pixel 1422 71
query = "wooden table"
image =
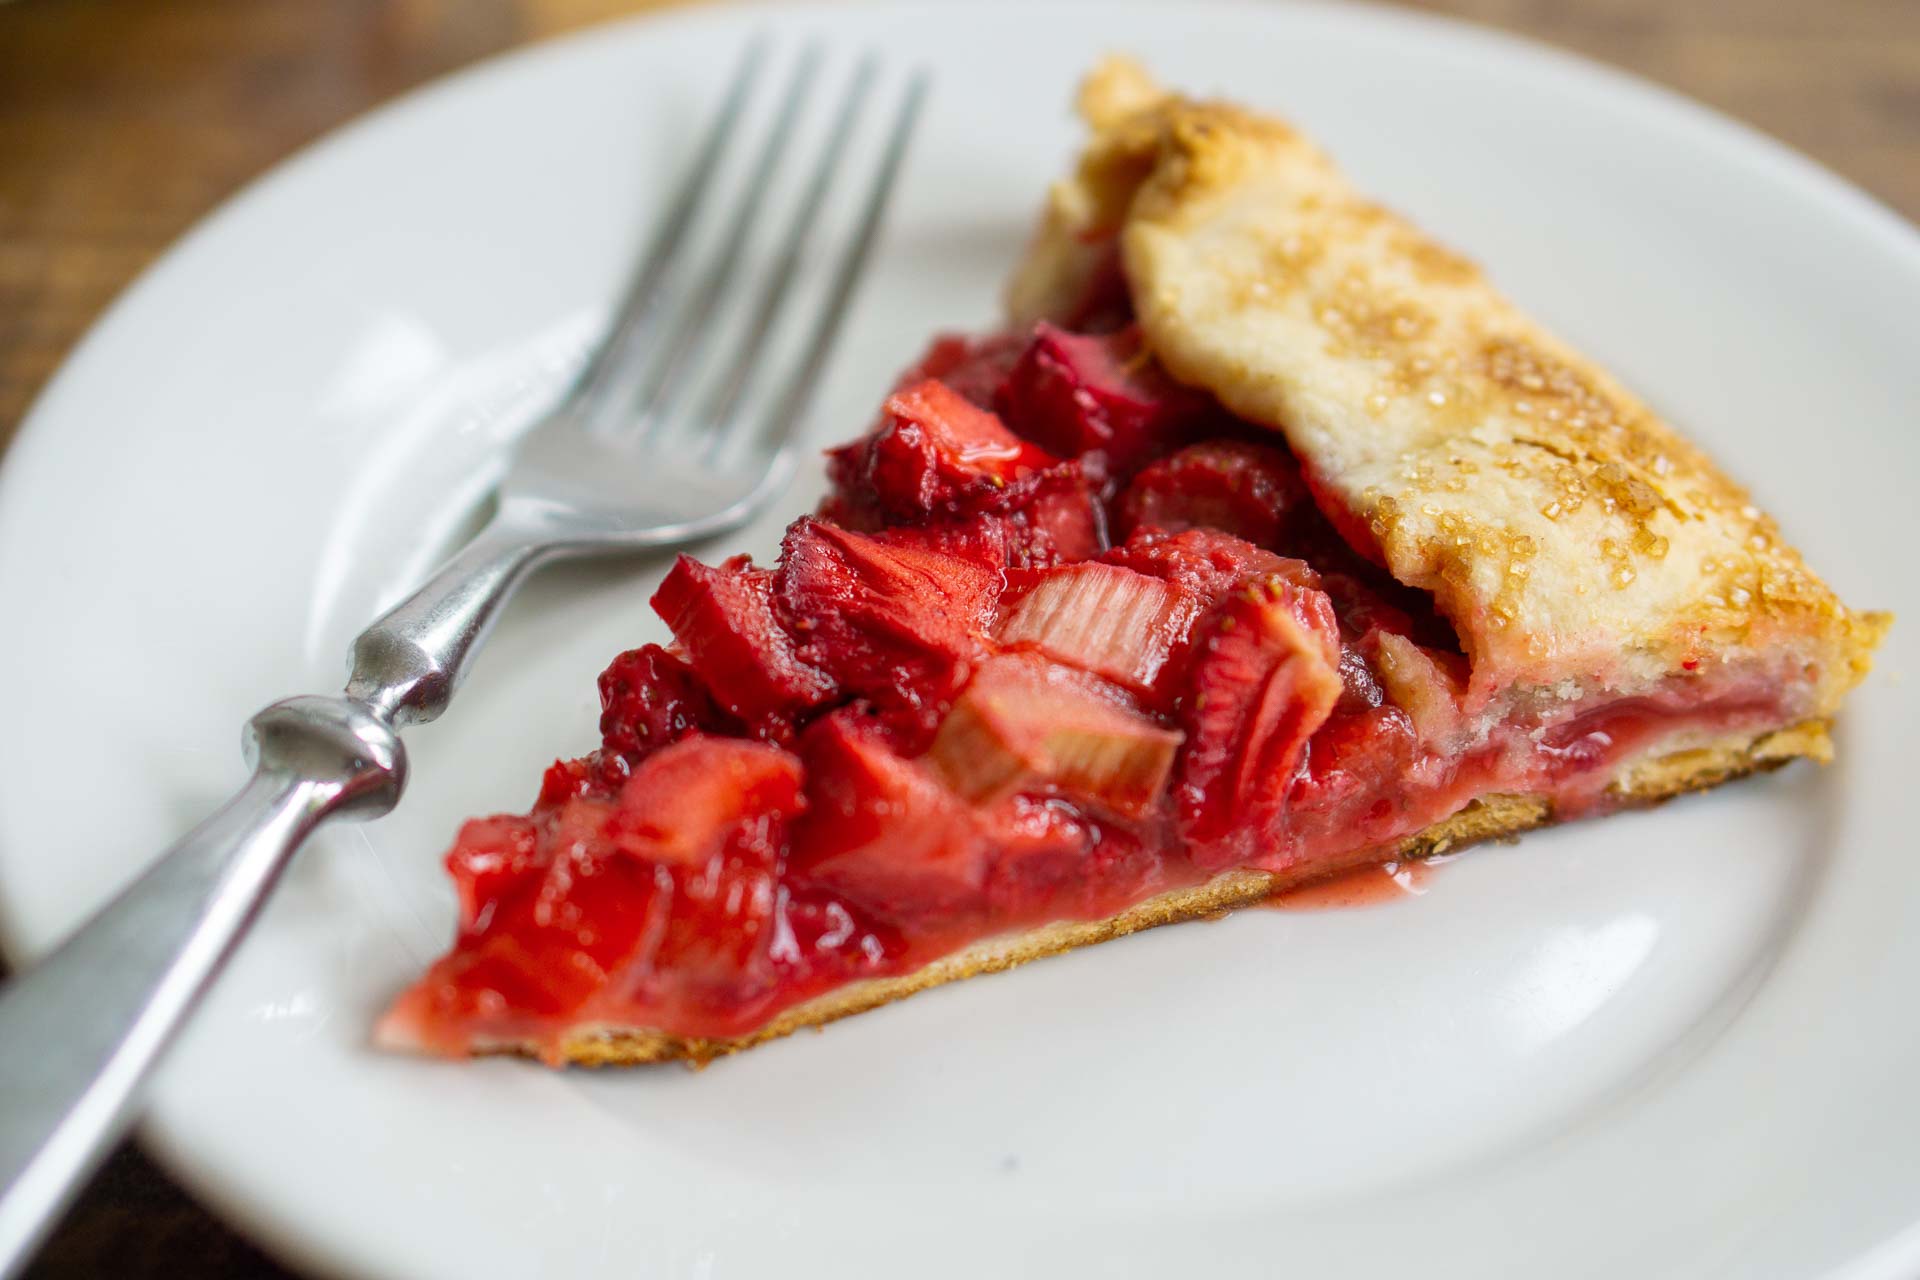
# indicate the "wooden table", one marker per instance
pixel 123 121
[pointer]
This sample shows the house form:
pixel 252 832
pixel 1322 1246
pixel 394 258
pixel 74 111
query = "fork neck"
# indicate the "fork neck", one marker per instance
pixel 408 663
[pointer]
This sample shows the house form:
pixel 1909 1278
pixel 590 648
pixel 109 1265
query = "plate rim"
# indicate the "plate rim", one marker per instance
pixel 1731 137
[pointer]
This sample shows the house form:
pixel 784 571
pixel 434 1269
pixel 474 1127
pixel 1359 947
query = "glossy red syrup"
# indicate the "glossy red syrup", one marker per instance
pixel 1064 636
pixel 1369 886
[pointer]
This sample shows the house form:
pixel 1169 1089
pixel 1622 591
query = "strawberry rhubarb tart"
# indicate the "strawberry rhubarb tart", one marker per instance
pixel 1265 541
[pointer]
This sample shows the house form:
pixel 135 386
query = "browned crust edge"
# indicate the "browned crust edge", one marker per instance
pixel 1645 782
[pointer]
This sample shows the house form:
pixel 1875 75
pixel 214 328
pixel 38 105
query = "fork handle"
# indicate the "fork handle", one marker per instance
pixel 82 1028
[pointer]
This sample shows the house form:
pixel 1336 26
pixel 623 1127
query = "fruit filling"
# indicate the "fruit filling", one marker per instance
pixel 1064 636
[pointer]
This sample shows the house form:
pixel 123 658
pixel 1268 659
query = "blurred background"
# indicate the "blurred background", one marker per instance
pixel 124 121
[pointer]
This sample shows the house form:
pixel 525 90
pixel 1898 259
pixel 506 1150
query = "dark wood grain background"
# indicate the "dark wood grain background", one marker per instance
pixel 123 121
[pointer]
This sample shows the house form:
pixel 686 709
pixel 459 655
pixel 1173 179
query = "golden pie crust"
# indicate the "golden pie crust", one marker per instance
pixel 1561 526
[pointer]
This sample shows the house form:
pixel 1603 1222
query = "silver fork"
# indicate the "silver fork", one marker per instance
pixel 597 474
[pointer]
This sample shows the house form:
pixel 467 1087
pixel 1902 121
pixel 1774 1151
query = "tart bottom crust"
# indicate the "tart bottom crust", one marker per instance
pixel 1646 781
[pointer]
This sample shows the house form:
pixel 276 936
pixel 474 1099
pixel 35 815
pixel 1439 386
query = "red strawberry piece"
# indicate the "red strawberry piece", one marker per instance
pixel 935 452
pixel 1205 561
pixel 882 831
pixel 1043 851
pixel 488 857
pixel 705 795
pixel 1263 675
pixel 723 617
pixel 1363 609
pixel 979 540
pixel 1077 394
pixel 598 773
pixel 707 819
pixel 1339 791
pixel 675 875
pixel 1061 522
pixel 649 698
pixel 1350 525
pixel 1249 490
pixel 973 367
pixel 885 619
pixel 850 502
pixel 1359 688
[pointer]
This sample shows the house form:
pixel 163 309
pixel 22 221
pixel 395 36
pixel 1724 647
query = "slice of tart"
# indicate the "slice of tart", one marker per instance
pixel 1266 542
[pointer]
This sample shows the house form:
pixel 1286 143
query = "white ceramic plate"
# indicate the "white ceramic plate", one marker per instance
pixel 1677 1043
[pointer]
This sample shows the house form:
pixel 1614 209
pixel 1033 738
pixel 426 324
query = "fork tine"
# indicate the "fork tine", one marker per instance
pixel 669 370
pixel 790 405
pixel 638 309
pixel 738 374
